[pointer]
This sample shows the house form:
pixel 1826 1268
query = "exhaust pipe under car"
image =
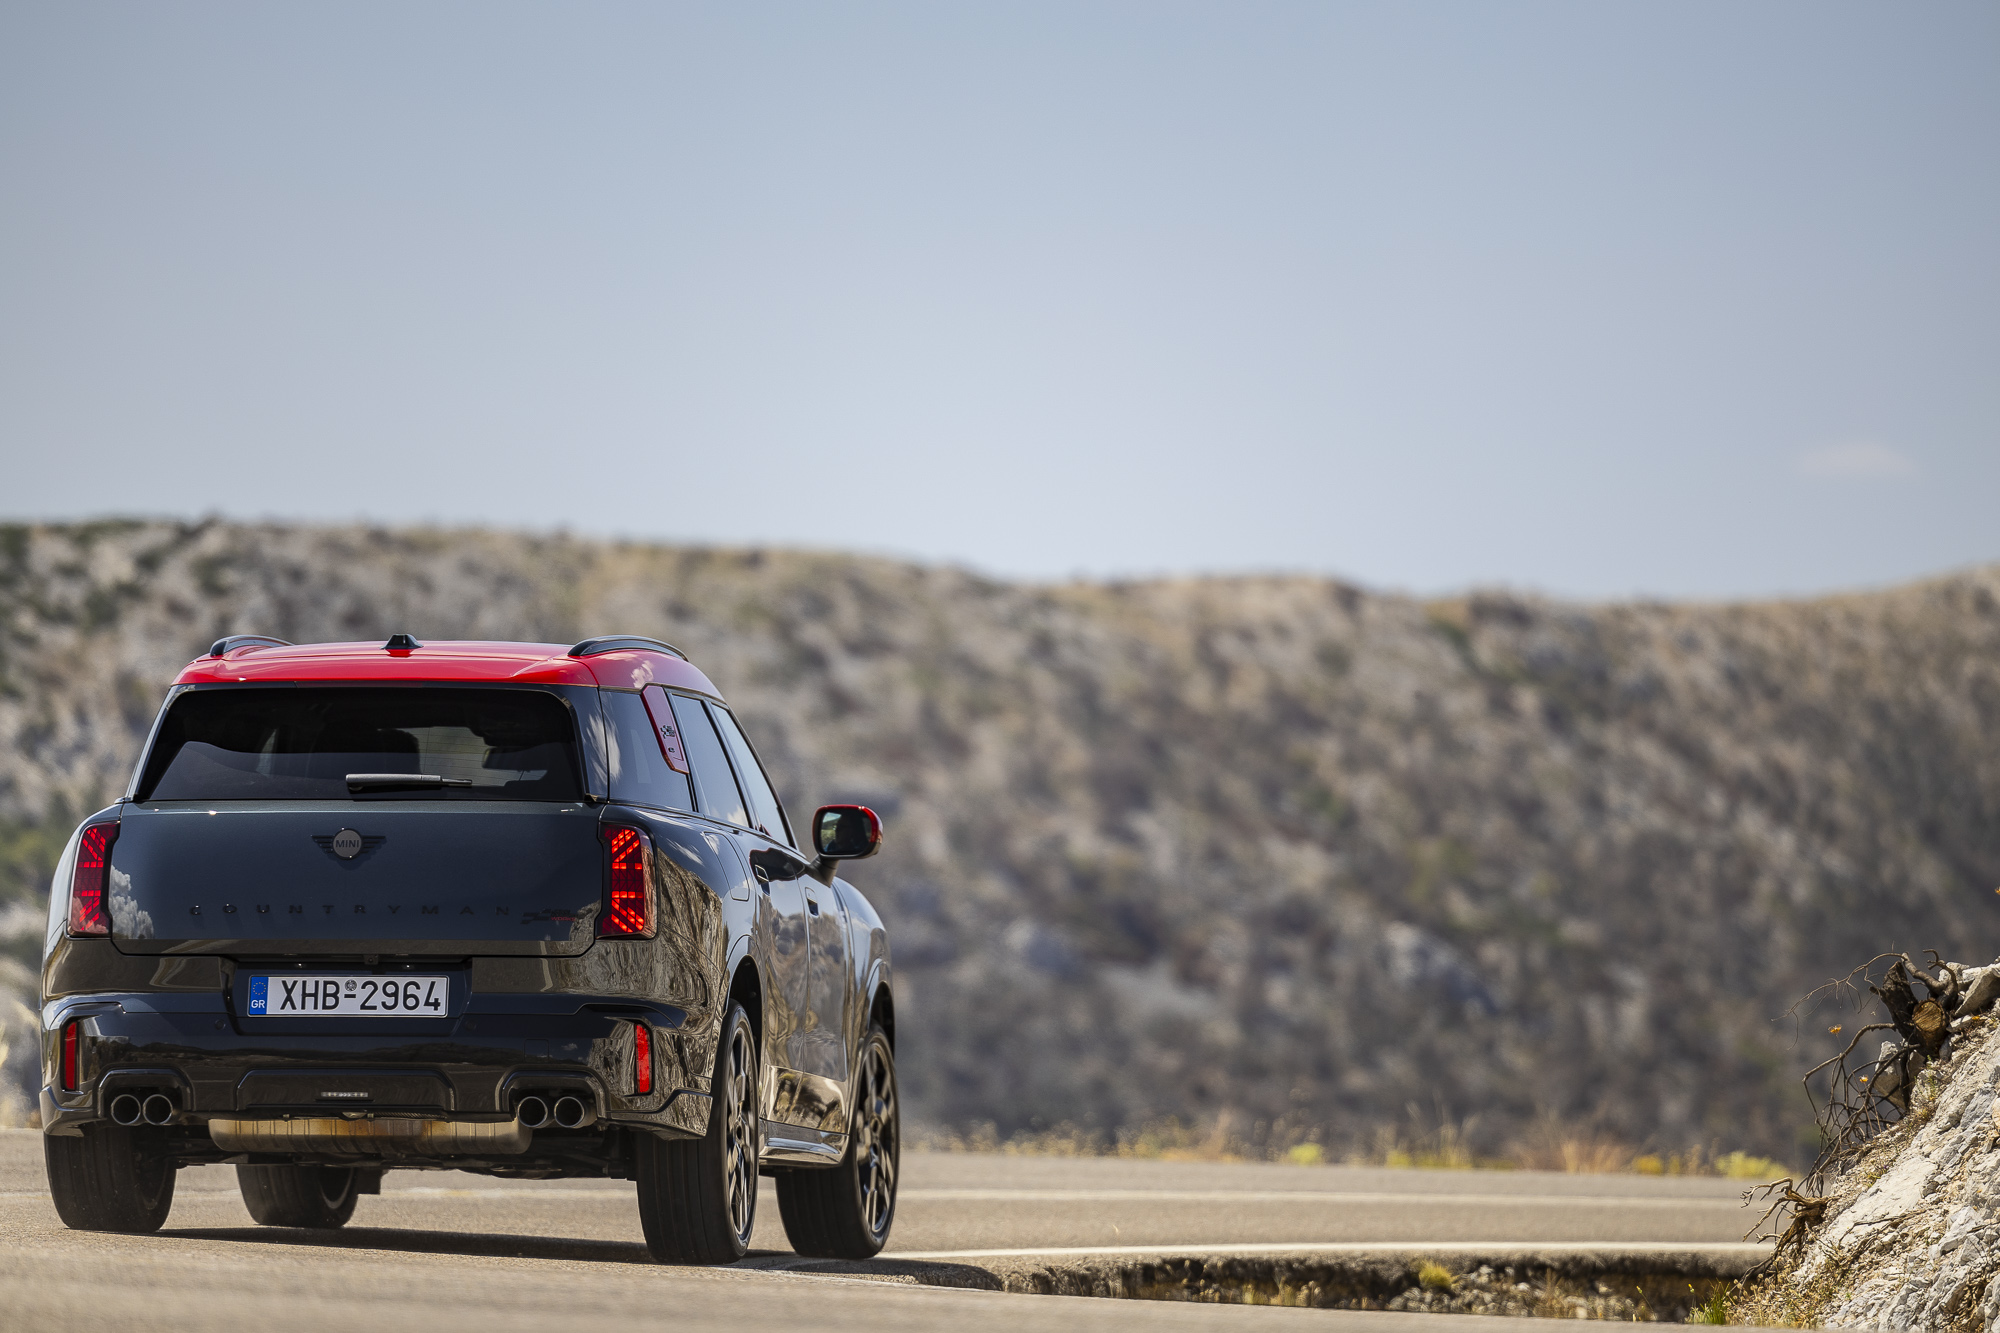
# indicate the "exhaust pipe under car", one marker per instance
pixel 158 1109
pixel 403 1136
pixel 571 1113
pixel 125 1110
pixel 532 1112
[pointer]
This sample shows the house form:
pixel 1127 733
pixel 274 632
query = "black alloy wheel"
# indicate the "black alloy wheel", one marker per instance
pixel 698 1198
pixel 106 1179
pixel 318 1197
pixel 845 1212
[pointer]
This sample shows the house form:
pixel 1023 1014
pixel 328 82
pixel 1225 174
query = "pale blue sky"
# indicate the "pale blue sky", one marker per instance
pixel 1674 299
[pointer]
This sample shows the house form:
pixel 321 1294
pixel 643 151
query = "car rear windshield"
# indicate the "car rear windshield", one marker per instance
pixel 303 743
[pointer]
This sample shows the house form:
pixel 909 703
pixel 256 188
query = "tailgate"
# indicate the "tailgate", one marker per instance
pixel 347 877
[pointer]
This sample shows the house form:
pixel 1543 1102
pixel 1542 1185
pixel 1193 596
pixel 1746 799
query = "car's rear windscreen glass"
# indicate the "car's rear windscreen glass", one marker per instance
pixel 302 743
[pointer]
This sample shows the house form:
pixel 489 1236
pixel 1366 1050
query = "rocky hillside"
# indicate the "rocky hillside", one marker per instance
pixel 1275 853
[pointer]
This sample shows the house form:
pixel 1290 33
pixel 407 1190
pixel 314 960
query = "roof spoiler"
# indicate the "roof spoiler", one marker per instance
pixel 611 643
pixel 224 646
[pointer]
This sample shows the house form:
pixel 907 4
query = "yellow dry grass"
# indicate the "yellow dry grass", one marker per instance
pixel 1551 1145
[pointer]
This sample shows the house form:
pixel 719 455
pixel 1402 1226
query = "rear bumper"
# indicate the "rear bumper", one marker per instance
pixel 500 1048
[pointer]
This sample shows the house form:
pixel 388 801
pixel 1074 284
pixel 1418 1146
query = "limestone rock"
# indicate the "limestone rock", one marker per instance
pixel 1910 1241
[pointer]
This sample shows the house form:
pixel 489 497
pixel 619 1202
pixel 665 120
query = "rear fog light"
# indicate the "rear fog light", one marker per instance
pixel 642 1057
pixel 69 1057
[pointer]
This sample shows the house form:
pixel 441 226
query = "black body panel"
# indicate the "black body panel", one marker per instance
pixel 490 877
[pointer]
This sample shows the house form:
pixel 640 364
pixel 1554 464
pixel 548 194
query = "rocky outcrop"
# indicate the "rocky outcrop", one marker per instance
pixel 1907 1233
pixel 1274 854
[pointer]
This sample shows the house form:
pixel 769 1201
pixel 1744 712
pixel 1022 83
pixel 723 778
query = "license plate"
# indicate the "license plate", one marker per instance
pixel 349 997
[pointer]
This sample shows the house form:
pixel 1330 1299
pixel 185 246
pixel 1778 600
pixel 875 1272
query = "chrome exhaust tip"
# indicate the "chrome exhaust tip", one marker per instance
pixel 158 1109
pixel 571 1113
pixel 125 1109
pixel 532 1112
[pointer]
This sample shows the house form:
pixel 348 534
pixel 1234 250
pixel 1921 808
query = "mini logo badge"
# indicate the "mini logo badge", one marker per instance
pixel 347 844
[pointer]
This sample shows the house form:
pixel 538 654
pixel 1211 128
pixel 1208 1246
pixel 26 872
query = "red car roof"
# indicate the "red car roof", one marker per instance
pixel 460 660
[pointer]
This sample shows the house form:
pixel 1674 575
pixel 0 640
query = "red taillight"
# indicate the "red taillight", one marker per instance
pixel 69 1059
pixel 642 1057
pixel 629 909
pixel 88 914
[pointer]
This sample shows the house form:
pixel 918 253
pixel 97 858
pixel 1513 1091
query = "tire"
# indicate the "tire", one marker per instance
pixel 698 1197
pixel 846 1212
pixel 107 1180
pixel 318 1197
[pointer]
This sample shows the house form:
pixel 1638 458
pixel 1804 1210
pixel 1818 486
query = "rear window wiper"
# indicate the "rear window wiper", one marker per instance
pixel 363 781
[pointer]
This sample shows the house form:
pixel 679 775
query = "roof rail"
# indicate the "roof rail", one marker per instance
pixel 231 643
pixel 611 643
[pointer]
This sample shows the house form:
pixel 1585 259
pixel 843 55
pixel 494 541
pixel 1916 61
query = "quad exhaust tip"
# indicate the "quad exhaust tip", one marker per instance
pixel 532 1112
pixel 570 1113
pixel 158 1109
pixel 126 1109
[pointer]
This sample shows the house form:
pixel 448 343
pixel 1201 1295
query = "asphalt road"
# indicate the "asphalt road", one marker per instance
pixel 441 1251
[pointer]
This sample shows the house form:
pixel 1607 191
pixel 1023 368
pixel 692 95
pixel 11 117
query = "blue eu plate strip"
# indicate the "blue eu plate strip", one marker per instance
pixel 260 988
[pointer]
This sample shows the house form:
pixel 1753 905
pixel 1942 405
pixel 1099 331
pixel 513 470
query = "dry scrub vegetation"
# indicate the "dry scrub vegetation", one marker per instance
pixel 1548 1145
pixel 1271 858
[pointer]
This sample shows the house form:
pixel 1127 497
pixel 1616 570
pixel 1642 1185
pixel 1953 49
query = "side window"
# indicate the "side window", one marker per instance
pixel 639 770
pixel 764 808
pixel 719 797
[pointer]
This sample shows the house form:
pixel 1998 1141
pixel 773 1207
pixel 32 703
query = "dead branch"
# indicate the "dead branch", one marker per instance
pixel 1866 1096
pixel 1808 1212
pixel 1872 1027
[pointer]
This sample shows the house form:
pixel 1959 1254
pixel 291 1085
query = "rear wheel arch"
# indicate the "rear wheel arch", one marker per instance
pixel 882 1012
pixel 746 987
